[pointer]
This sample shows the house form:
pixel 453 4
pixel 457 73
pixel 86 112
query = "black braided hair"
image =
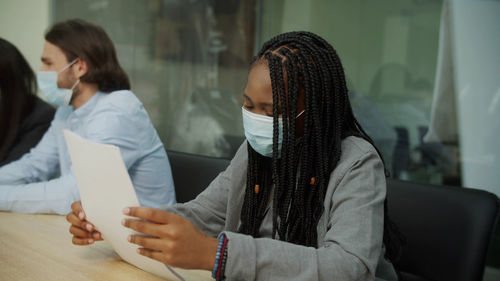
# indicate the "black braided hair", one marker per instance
pixel 300 175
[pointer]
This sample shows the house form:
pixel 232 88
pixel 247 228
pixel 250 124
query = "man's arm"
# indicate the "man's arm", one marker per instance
pixel 54 196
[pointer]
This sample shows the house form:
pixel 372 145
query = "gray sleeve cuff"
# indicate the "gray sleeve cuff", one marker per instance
pixel 243 250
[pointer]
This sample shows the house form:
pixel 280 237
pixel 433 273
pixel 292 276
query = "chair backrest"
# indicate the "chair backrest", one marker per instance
pixel 193 173
pixel 447 230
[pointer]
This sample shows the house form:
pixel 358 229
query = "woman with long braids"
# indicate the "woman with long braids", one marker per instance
pixel 304 196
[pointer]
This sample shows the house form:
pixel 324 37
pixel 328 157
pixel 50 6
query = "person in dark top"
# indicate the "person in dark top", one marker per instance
pixel 24 117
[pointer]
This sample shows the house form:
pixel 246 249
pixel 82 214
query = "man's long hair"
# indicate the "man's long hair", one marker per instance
pixel 302 60
pixel 80 39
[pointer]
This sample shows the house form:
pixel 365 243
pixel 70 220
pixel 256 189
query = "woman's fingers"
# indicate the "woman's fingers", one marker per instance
pixel 77 209
pixel 83 231
pixel 82 241
pixel 79 233
pixel 73 219
pixel 76 221
pixel 150 214
pixel 144 227
pixel 176 241
pixel 97 235
pixel 153 254
pixel 152 243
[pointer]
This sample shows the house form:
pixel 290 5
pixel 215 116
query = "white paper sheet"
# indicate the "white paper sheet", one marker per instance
pixel 105 189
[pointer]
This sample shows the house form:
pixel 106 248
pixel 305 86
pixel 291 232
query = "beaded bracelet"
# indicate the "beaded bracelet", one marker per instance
pixel 217 257
pixel 222 262
pixel 222 267
pixel 220 258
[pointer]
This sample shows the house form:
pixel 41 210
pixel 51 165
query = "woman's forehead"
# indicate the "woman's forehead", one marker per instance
pixel 259 84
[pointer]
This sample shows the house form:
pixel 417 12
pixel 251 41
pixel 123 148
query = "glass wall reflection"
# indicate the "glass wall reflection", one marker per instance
pixel 188 62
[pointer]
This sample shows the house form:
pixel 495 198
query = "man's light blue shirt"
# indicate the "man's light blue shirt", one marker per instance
pixel 29 185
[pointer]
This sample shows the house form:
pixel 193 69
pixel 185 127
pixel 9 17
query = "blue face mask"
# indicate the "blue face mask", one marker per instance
pixel 47 83
pixel 259 132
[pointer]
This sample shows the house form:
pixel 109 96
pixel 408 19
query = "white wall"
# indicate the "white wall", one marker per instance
pixel 23 23
pixel 476 42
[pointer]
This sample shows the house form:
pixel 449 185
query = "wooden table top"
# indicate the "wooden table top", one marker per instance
pixel 38 247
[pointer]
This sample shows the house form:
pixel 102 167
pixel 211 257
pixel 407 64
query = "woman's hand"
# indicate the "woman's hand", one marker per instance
pixel 170 239
pixel 84 232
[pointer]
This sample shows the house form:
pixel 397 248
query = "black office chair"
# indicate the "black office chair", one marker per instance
pixel 447 229
pixel 192 173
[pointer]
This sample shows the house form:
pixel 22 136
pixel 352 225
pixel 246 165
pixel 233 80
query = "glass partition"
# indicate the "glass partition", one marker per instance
pixel 408 64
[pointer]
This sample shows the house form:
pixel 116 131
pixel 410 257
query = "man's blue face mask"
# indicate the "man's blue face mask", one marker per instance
pixel 47 83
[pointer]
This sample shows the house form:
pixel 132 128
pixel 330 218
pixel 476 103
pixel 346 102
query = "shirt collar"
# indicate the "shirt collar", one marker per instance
pixel 88 106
